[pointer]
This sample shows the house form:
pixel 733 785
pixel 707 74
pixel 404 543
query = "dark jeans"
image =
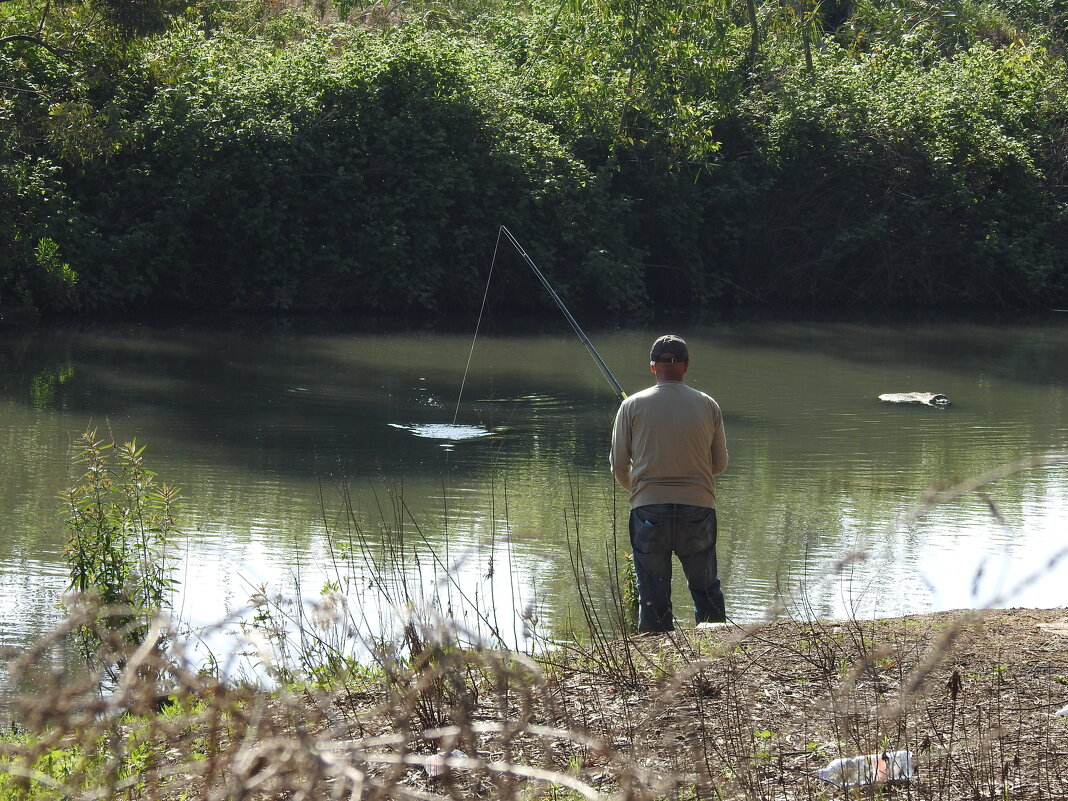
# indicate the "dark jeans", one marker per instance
pixel 658 530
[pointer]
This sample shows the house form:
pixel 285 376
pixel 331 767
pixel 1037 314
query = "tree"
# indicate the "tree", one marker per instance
pixel 62 27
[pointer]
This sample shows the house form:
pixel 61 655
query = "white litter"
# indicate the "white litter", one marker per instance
pixel 435 764
pixel 870 769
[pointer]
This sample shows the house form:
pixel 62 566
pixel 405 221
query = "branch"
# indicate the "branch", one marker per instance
pixel 38 42
pixel 44 18
pixel 37 37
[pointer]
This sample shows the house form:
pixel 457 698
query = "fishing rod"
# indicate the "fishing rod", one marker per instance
pixel 574 323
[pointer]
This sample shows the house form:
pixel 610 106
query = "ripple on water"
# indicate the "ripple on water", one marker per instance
pixel 535 400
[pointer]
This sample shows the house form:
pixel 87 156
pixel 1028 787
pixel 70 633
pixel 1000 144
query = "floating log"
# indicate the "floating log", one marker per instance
pixel 925 398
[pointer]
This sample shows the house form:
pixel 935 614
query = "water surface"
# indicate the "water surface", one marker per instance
pixel 488 501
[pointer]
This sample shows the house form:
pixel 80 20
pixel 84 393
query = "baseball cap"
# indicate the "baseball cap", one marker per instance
pixel 671 345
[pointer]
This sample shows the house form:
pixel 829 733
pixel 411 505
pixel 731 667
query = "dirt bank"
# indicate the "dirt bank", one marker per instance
pixel 735 712
pixel 753 712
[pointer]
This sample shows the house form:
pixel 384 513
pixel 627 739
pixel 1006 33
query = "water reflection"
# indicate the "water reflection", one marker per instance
pixel 271 433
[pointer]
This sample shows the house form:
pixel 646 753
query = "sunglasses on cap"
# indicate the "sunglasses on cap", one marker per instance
pixel 666 359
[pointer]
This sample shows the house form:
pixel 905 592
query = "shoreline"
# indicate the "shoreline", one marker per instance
pixel 730 712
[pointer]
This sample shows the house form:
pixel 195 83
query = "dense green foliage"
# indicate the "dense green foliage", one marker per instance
pixel 649 154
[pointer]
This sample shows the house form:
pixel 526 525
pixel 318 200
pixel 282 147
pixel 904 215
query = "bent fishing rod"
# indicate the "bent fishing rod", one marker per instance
pixel 574 323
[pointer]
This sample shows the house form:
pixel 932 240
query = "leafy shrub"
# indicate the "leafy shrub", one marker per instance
pixel 120 524
pixel 345 170
pixel 259 157
pixel 892 181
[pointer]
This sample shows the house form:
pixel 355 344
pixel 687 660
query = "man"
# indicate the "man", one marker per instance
pixel 668 444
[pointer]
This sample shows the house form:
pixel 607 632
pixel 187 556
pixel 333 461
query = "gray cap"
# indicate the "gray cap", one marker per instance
pixel 670 345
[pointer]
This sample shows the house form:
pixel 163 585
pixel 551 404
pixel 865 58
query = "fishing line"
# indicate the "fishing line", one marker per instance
pixel 478 325
pixel 619 391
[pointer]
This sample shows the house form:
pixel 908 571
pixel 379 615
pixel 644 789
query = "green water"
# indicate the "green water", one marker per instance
pixel 477 501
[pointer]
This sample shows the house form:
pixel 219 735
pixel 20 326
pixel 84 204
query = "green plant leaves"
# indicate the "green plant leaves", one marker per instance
pixel 120 525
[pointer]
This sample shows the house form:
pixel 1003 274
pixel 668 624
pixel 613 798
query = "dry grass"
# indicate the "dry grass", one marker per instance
pixel 734 713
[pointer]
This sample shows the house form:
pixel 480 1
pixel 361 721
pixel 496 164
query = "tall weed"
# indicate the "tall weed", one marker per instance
pixel 121 523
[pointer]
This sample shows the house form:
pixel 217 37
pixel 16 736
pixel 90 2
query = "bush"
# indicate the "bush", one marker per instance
pixel 345 170
pixel 263 158
pixel 120 525
pixel 886 180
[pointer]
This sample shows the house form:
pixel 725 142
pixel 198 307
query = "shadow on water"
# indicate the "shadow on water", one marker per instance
pixel 1028 350
pixel 268 398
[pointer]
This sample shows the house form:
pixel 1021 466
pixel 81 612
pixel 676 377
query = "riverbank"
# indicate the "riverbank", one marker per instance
pixel 731 712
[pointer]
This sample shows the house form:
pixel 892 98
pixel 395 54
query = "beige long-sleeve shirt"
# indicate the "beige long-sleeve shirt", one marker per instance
pixel 668 445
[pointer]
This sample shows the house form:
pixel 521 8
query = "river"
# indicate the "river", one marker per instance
pixel 495 504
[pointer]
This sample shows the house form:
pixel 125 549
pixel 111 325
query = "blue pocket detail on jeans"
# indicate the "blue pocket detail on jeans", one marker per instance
pixel 648 534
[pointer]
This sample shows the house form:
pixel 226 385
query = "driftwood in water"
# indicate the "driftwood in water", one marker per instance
pixel 926 398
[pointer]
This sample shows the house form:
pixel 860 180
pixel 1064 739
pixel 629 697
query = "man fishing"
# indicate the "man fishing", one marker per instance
pixel 668 444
